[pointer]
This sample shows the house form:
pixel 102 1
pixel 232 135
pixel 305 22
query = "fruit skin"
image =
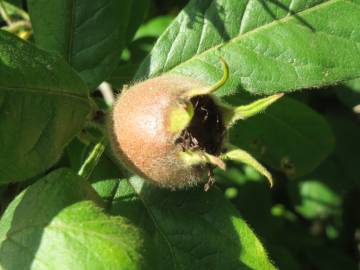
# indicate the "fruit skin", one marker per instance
pixel 140 136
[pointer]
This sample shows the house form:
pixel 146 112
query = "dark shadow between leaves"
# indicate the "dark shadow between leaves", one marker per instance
pixel 189 229
pixel 347 95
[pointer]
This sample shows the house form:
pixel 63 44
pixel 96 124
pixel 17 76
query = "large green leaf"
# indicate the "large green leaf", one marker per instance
pixel 89 34
pixel 43 104
pixel 312 44
pixel 57 224
pixel 289 137
pixel 190 229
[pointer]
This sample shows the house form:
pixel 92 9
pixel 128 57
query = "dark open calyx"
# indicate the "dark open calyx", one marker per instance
pixel 206 130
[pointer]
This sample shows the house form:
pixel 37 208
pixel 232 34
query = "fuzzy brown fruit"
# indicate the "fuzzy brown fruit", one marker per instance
pixel 142 137
pixel 170 130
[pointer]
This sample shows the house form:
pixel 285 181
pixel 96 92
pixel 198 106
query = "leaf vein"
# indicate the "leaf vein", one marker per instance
pixel 98 11
pixel 163 235
pixel 237 38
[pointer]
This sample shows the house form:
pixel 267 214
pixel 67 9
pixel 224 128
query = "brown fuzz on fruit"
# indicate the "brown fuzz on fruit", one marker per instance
pixel 171 130
pixel 142 137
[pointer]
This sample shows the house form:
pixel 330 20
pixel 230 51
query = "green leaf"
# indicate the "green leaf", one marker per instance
pixel 106 189
pixel 142 44
pixel 89 34
pixel 190 229
pixel 125 71
pixel 122 75
pixel 284 258
pixel 57 224
pixel 249 183
pixel 154 27
pixel 43 104
pixel 283 229
pixel 239 155
pixel 318 195
pixel 137 14
pixel 284 136
pixel 347 133
pixel 77 152
pixel 268 47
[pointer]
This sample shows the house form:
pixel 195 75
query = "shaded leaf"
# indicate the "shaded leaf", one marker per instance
pixel 249 184
pixel 106 189
pixel 57 224
pixel 325 258
pixel 268 47
pixel 287 239
pixel 137 14
pixel 124 72
pixel 142 44
pixel 104 178
pixel 284 257
pixel 347 147
pixel 43 104
pixel 78 152
pixel 154 27
pixel 90 35
pixel 191 229
pixel 319 195
pixel 284 136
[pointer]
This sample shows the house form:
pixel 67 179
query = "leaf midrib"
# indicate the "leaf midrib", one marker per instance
pixel 241 36
pixel 163 235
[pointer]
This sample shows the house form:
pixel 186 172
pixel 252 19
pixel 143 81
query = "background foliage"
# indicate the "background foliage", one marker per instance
pixel 55 54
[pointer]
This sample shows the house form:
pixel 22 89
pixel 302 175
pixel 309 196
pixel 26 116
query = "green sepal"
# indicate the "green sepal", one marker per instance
pixel 180 117
pixel 239 155
pixel 201 158
pixel 209 90
pixel 232 114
